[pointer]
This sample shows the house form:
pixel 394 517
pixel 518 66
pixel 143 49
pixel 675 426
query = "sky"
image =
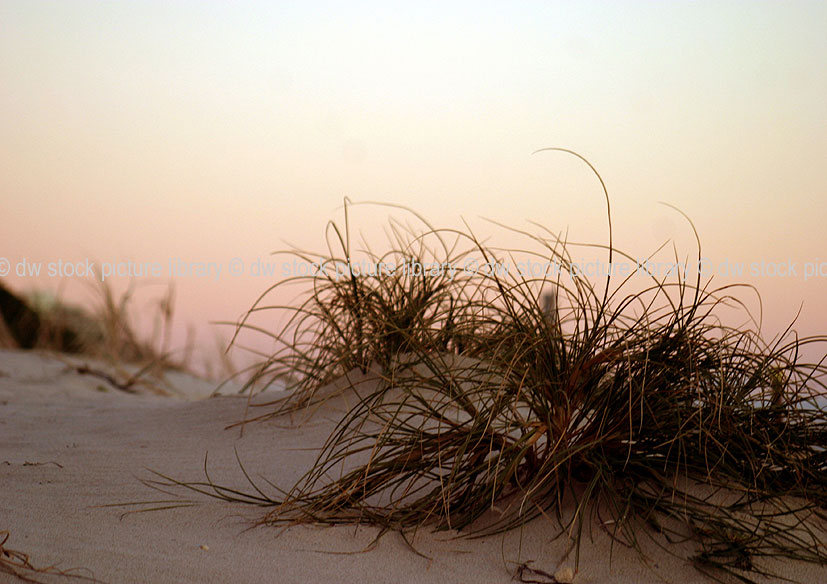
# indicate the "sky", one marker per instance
pixel 207 131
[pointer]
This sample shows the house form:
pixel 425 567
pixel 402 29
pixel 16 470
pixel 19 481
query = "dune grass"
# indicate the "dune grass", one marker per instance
pixel 106 328
pixel 18 565
pixel 632 407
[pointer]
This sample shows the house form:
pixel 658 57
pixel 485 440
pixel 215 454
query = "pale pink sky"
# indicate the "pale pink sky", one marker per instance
pixel 147 131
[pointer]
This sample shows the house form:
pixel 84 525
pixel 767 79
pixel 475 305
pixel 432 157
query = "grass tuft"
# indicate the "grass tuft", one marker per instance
pixel 633 407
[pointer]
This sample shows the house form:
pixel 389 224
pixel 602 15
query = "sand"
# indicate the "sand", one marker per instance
pixel 72 445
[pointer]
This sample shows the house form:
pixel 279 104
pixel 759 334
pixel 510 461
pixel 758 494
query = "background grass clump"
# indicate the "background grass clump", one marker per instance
pixel 499 399
pixel 128 333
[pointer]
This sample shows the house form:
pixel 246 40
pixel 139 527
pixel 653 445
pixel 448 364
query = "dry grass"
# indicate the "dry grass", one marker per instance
pixel 19 565
pixel 633 407
pixel 134 356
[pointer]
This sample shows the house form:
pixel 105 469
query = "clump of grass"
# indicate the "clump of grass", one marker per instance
pixel 115 313
pixel 105 331
pixel 635 408
pixel 360 311
pixel 112 328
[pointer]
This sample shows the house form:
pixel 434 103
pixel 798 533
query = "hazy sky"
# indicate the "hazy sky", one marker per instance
pixel 208 131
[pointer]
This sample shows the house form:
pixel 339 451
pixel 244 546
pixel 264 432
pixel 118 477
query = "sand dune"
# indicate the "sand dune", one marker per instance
pixel 72 445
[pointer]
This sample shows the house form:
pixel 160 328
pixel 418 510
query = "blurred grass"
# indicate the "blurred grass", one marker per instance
pixel 124 331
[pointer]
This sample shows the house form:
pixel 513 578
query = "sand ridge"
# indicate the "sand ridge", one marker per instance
pixel 70 449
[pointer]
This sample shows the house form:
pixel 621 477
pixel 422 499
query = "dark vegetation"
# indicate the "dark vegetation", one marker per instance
pixel 631 407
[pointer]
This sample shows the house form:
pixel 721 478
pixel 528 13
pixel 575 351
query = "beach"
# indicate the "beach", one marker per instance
pixel 75 452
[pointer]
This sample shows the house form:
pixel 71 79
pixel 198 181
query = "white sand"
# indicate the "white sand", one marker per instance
pixel 67 448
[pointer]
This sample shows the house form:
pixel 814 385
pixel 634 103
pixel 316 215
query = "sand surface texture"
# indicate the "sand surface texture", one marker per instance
pixel 72 445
